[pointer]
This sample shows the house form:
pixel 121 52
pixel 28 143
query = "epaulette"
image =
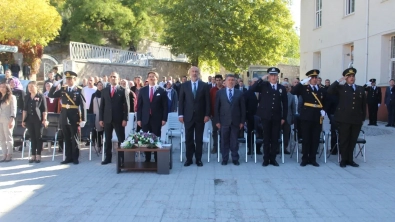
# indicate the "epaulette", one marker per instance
pixel 64 87
pixel 79 87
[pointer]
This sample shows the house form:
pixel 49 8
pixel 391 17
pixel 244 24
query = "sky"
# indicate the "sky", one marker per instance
pixel 295 12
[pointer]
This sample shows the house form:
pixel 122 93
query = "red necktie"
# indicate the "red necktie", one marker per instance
pixel 112 91
pixel 151 96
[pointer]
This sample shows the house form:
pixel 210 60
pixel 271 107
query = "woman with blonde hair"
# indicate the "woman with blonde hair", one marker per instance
pixel 7 121
pixel 34 117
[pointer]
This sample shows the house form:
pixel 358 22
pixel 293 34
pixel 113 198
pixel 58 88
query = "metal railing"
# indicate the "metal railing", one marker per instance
pixel 94 53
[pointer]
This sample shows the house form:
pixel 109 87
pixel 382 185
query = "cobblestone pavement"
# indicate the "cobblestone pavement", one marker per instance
pixel 91 192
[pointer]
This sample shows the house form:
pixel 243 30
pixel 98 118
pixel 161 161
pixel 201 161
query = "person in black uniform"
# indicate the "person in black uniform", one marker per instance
pixel 34 117
pixel 311 116
pixel 373 100
pixel 73 113
pixel 331 102
pixel 349 115
pixel 273 111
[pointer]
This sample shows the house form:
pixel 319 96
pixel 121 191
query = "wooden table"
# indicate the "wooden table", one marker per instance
pixel 162 166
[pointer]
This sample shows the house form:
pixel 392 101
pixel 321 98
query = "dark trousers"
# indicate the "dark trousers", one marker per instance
pixel 372 109
pixel 348 135
pixel 97 137
pixel 391 114
pixel 250 142
pixel 35 129
pixel 287 133
pixel 70 137
pixel 215 134
pixel 229 142
pixel 311 131
pixel 194 140
pixel 155 128
pixel 271 134
pixel 119 131
pixel 26 77
pixel 333 147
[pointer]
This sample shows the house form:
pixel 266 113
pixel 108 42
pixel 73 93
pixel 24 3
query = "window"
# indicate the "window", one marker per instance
pixel 318 13
pixel 350 6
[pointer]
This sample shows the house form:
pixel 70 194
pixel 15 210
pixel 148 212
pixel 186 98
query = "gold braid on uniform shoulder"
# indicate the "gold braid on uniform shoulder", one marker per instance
pixel 79 87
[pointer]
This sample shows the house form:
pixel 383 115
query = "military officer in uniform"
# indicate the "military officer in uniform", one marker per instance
pixel 349 115
pixel 373 100
pixel 73 113
pixel 273 111
pixel 311 116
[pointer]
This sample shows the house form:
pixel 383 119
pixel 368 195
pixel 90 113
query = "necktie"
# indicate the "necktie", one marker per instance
pixel 69 89
pixel 112 91
pixel 274 88
pixel 315 89
pixel 352 88
pixel 194 90
pixel 151 94
pixel 230 95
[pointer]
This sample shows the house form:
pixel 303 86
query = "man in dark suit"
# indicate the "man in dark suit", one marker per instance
pixel 73 113
pixel 242 87
pixel 113 114
pixel 251 102
pixel 373 100
pixel 194 112
pixel 230 116
pixel 213 91
pixel 349 115
pixel 331 102
pixel 152 108
pixel 311 116
pixel 387 100
pixel 272 110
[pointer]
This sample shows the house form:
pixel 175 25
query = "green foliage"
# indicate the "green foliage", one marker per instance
pixel 124 22
pixel 236 33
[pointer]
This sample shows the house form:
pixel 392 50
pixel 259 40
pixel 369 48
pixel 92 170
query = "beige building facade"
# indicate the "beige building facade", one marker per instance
pixel 336 34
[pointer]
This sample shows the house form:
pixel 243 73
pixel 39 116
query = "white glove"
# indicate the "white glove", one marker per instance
pixel 82 124
pixel 368 84
pixel 323 113
pixel 57 83
pixel 378 105
pixel 304 81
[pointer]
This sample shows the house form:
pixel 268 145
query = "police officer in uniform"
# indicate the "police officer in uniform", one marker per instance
pixel 373 100
pixel 73 113
pixel 349 115
pixel 273 111
pixel 311 116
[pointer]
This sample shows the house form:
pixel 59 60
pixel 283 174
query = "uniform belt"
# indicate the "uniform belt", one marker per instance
pixel 313 105
pixel 69 106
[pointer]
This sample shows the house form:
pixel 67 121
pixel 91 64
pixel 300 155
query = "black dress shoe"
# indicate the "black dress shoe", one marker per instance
pixel 303 163
pixel 66 162
pixel 342 164
pixel 286 152
pixel 314 163
pixel 353 164
pixel 199 163
pixel 370 124
pixel 274 163
pixel 38 161
pixel 224 163
pixel 76 162
pixel 105 162
pixel 188 163
pixel 32 160
pixel 388 125
pixel 258 153
pixel 265 163
pixel 236 162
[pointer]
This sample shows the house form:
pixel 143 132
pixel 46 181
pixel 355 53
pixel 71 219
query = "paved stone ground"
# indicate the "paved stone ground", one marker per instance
pixel 90 192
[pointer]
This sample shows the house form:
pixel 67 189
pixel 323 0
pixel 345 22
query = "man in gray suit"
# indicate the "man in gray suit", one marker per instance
pixel 229 118
pixel 290 117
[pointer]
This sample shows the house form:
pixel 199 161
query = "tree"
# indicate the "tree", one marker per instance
pixel 29 24
pixel 237 33
pixel 124 22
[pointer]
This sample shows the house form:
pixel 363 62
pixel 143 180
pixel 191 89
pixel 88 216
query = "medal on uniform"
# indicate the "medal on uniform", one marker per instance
pixel 280 90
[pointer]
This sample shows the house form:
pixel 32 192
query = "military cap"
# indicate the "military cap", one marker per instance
pixel 273 71
pixel 313 72
pixel 350 71
pixel 70 74
pixel 372 80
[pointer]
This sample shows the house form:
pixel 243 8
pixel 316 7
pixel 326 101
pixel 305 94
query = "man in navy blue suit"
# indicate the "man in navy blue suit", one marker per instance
pixel 387 100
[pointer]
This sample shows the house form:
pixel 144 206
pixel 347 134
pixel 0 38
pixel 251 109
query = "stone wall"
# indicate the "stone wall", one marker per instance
pixel 170 68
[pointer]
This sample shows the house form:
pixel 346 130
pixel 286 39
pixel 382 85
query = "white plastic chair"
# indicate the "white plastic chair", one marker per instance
pixel 175 129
